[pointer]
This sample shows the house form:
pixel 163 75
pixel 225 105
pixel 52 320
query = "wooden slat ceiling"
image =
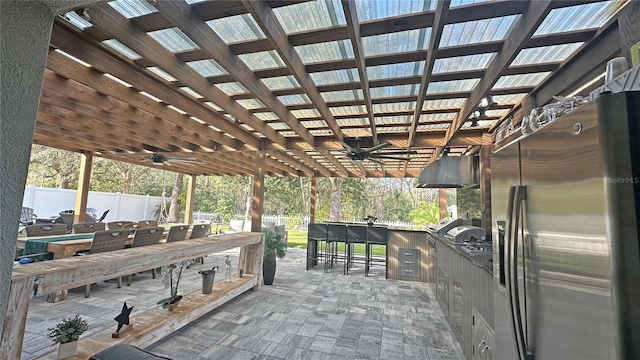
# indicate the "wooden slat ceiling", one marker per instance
pixel 109 102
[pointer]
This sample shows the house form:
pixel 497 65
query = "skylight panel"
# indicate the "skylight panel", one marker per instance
pixel 345 95
pixel 395 70
pixel 544 54
pixel 393 91
pixel 213 106
pixel 265 116
pixel 150 96
pixel 497 112
pixel 452 86
pixel 173 39
pixel 438 117
pixel 432 127
pixel 207 68
pixel 132 8
pixel 393 107
pixel 335 77
pixel 371 10
pixel 462 63
pixel 509 99
pixel 262 60
pixel 234 88
pixel 347 110
pixel 359 121
pixel 327 51
pixel 456 3
pixel 250 104
pixel 191 92
pixel 116 79
pixel 393 129
pixel 472 32
pixel 122 49
pixel 511 81
pixel 163 74
pixel 310 15
pixel 305 113
pixel 72 58
pixel 76 20
pixel 281 82
pixel 294 99
pixel 317 124
pixel 279 126
pixel 579 17
pixel 236 28
pixel 444 104
pixel 393 120
pixel 402 41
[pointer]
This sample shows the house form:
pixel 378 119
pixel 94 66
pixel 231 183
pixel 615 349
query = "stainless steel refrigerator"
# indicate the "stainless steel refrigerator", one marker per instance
pixel 566 207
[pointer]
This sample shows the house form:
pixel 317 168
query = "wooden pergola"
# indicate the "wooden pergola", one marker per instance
pixel 242 85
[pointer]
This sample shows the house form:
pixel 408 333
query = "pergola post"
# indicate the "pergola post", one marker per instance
pixel 485 186
pixel 312 199
pixel 258 192
pixel 442 197
pixel 191 194
pixel 82 193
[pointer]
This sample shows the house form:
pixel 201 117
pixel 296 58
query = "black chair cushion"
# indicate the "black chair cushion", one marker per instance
pixel 125 352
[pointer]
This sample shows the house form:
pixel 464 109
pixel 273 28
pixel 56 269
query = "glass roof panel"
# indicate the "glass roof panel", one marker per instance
pixel 456 3
pixel 262 60
pixel 122 49
pixel 477 31
pixel 305 113
pixel 348 110
pixel 191 92
pixel 358 121
pixel 250 104
pixel 392 91
pixel 392 107
pixel 318 124
pixel 233 88
pixel 371 10
pixel 403 41
pixel 498 112
pixel 317 15
pixel 76 20
pixel 428 127
pixel 544 54
pixel 392 120
pixel 173 39
pixel 443 104
pixel 392 129
pixel 509 99
pixel 279 126
pixel 207 68
pixel 395 70
pixel 132 8
pixel 335 77
pixel 236 28
pixel 294 99
pixel 281 82
pixel 510 81
pixel 437 117
pixel 327 51
pixel 268 115
pixel 481 123
pixel 163 74
pixel 579 17
pixel 345 95
pixel 452 86
pixel 462 63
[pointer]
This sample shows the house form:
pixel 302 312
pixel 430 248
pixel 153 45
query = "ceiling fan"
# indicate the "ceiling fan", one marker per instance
pixel 159 158
pixel 357 154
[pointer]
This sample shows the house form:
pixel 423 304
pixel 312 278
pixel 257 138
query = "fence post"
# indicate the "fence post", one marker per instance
pixel 146 207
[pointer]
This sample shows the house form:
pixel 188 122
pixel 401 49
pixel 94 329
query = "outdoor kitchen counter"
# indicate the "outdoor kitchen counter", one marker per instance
pixel 410 256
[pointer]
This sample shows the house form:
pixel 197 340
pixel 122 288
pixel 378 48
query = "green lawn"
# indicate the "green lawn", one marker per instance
pixel 298 239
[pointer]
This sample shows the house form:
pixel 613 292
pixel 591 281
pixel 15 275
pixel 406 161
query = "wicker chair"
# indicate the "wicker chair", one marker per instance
pixel 119 225
pixel 177 233
pixel 84 228
pixel 143 224
pixel 46 229
pixel 145 237
pixel 104 241
pixel 199 231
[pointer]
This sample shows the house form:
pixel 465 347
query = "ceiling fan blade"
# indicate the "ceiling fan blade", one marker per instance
pixel 372 157
pixel 376 160
pixel 376 147
pixel 398 152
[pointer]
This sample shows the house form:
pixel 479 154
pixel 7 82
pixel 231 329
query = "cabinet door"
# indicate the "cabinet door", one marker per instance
pixel 457 311
pixel 442 291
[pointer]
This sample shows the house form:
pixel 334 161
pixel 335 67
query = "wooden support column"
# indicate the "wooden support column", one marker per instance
pixel 629 28
pixel 485 186
pixel 312 199
pixel 258 192
pixel 16 318
pixel 80 209
pixel 442 196
pixel 191 194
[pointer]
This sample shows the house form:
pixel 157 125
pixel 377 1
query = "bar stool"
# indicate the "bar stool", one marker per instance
pixel 376 235
pixel 336 233
pixel 356 234
pixel 317 234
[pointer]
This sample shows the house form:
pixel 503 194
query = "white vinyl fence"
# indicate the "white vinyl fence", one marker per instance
pixel 48 202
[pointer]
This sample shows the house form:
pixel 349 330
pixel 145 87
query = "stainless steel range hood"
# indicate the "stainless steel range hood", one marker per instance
pixel 450 172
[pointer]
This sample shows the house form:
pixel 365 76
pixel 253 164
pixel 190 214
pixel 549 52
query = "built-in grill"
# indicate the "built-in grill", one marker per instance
pixel 441 228
pixel 465 234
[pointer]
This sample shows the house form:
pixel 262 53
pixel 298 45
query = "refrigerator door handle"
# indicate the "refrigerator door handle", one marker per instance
pixel 517 194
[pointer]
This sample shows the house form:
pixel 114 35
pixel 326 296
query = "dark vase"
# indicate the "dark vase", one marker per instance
pixel 269 268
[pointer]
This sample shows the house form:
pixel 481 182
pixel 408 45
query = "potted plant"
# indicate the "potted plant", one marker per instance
pixel 370 220
pixel 66 334
pixel 171 275
pixel 273 247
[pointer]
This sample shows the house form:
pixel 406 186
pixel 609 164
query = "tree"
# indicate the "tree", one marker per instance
pixel 50 163
pixel 334 213
pixel 174 208
pixel 426 213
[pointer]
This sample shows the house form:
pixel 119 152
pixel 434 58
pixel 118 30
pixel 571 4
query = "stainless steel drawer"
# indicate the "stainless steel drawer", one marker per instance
pixel 409 262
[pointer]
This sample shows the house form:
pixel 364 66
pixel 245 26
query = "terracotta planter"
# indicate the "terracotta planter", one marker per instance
pixel 269 268
pixel 66 350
